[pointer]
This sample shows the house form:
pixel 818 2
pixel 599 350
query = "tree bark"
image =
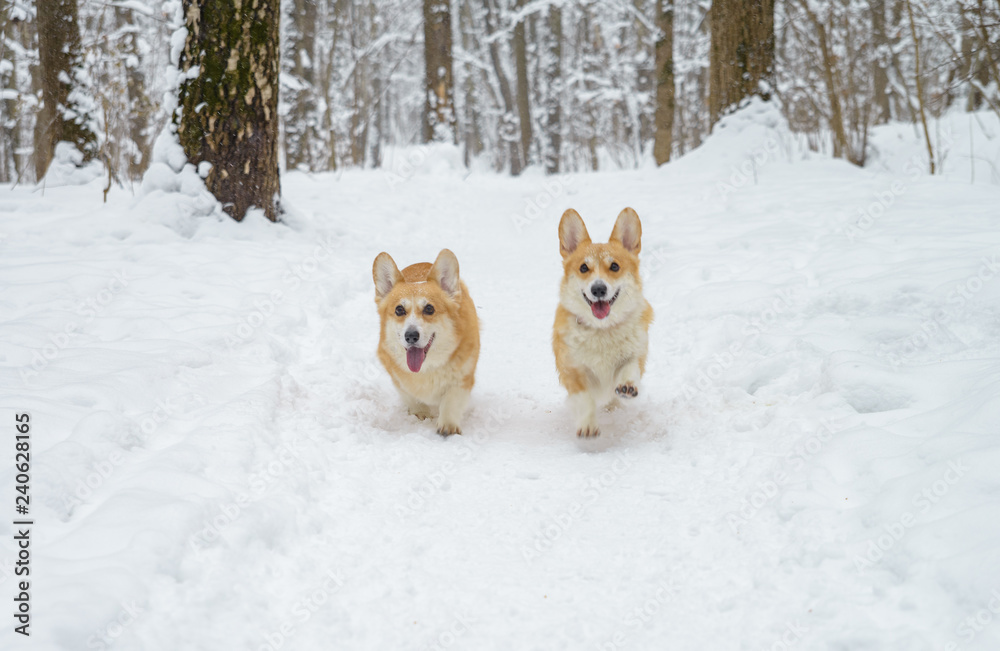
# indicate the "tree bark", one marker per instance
pixel 439 103
pixel 741 53
pixel 61 117
pixel 589 43
pixel 505 92
pixel 920 85
pixel 902 101
pixel 228 110
pixel 841 146
pixel 140 108
pixel 9 126
pixel 984 25
pixel 664 120
pixel 880 74
pixel 300 126
pixel 472 136
pixel 553 77
pixel 523 88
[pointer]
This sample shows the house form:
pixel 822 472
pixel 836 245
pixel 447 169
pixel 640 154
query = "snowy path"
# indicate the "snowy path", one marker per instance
pixel 812 463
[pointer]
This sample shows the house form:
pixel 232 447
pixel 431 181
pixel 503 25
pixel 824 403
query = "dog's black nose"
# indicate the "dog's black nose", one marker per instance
pixel 412 336
pixel 599 290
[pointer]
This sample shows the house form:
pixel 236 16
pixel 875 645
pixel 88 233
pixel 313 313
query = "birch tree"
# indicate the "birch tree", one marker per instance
pixel 229 101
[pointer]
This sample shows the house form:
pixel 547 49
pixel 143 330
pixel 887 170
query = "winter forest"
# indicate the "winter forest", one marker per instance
pixel 567 85
pixel 308 307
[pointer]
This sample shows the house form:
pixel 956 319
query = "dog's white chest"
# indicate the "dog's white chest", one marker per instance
pixel 602 351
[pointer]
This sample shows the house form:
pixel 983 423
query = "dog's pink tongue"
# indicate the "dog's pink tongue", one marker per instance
pixel 415 358
pixel 600 309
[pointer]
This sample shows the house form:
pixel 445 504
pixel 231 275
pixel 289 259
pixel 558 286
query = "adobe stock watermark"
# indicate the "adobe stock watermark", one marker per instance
pixel 7 567
pixel 403 170
pixel 970 627
pixel 258 484
pixel 591 492
pixel 106 635
pixel 471 440
pixel 101 471
pixel 365 372
pixel 792 635
pixel 540 203
pixel 447 638
pixel 807 447
pixel 885 198
pixel 784 302
pixel 653 260
pixel 959 297
pixel 638 617
pixel 923 501
pixel 301 271
pixel 88 309
pixel 302 611
pixel 746 172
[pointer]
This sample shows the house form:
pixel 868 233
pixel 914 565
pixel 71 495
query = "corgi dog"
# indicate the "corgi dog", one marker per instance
pixel 600 337
pixel 429 340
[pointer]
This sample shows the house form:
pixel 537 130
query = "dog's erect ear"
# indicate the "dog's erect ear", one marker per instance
pixel 445 273
pixel 572 233
pixel 628 230
pixel 386 275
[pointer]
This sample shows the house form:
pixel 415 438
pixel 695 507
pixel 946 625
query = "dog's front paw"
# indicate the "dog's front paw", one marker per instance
pixel 627 390
pixel 447 429
pixel 588 431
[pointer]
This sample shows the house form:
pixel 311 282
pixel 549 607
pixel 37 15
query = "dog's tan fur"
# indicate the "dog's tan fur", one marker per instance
pixel 599 358
pixel 448 372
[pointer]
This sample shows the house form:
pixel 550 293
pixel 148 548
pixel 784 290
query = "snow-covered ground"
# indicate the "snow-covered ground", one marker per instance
pixel 219 463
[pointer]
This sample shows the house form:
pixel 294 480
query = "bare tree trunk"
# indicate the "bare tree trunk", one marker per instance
pixel 330 81
pixel 841 146
pixel 229 110
pixel 553 77
pixel 373 122
pixel 970 66
pixel 9 128
pixel 516 164
pixel 300 130
pixel 60 118
pixel 741 52
pixel 472 135
pixel 140 108
pixel 920 84
pixel 523 87
pixel 590 36
pixel 663 142
pixel 439 104
pixel 358 90
pixel 986 45
pixel 904 105
pixel 880 76
pixel 375 137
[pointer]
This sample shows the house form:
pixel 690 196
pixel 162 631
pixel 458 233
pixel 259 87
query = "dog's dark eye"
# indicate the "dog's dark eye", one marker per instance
pixel 428 309
pixel 400 311
pixel 584 268
pixel 614 266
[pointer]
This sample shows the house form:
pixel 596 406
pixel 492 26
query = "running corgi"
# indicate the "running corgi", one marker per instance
pixel 600 337
pixel 429 341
